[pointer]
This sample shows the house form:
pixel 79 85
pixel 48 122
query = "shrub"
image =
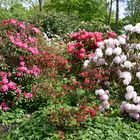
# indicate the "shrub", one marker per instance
pixel 120 57
pixel 17 73
pixel 61 24
pixel 82 80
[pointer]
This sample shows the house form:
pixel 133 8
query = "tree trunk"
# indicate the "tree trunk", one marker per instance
pixel 69 8
pixel 110 12
pixel 40 5
pixel 117 16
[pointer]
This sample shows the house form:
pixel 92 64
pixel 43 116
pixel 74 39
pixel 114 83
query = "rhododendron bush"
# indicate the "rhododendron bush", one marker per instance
pixel 120 59
pixel 18 73
pixel 81 50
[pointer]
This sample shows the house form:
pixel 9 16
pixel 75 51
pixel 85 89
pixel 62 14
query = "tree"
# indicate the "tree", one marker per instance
pixel 86 9
pixel 40 5
pixel 117 16
pixel 110 12
pixel 133 11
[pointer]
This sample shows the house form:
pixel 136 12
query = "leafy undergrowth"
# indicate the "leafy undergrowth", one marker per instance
pixel 38 127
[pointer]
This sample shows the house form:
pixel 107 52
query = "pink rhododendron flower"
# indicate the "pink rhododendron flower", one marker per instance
pixel 33 50
pixel 12 85
pixel 4 21
pixel 21 58
pixel 20 44
pixel 92 112
pixel 111 34
pixel 4 80
pixel 12 39
pixel 24 45
pixel 36 30
pixel 18 90
pixel 32 39
pixel 36 70
pixel 29 71
pixel 9 74
pixel 4 106
pixel 18 74
pixel 22 63
pixel 90 56
pixel 82 50
pixel 4 88
pixel 28 95
pixel 22 25
pixel 87 81
pixel 81 55
pixel 13 21
pixel 71 47
pixel 22 69
pixel 97 36
pixel 3 74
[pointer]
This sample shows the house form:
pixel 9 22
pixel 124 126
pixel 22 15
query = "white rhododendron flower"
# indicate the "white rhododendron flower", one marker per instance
pixel 86 63
pixel 138 47
pixel 104 97
pixel 101 45
pixel 129 89
pixel 134 94
pixel 138 56
pixel 101 61
pixel 127 106
pixel 122 40
pixel 138 75
pixel 117 51
pixel 123 57
pixel 128 64
pixel 99 52
pixel 106 41
pixel 117 60
pixel 138 108
pixel 95 58
pixel 128 96
pixel 129 28
pixel 133 46
pixel 135 115
pixel 126 75
pixel 136 99
pixel 100 92
pixel 126 82
pixel 136 29
pixel 111 43
pixel 138 24
pixel 116 42
pixel 109 51
pixel 133 107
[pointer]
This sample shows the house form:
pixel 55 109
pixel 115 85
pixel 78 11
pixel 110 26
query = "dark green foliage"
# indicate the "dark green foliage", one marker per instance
pixel 61 24
pixel 37 127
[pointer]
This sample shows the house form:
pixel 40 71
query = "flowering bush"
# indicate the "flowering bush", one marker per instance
pixel 120 57
pixel 85 79
pixel 18 73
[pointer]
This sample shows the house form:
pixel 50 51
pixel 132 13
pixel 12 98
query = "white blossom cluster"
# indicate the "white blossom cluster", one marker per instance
pixel 103 94
pixel 132 109
pixel 138 75
pixel 133 29
pixel 135 46
pixel 111 52
pixel 86 62
pixel 126 76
